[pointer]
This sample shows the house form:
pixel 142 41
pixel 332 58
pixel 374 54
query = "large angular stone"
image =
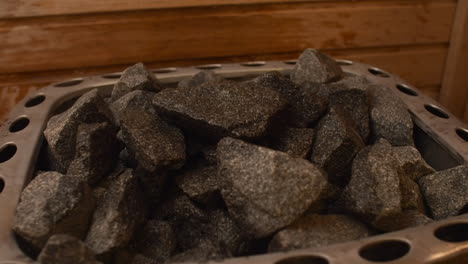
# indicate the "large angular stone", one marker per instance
pixel 198 79
pixel 390 118
pixel 199 183
pixel 411 163
pixel 374 189
pixel 315 230
pixel 156 240
pixel 51 204
pixel 61 129
pixel 351 93
pixel 304 104
pixel 136 77
pixel 117 216
pixel 336 143
pixel 96 152
pixel 296 142
pixel 446 192
pixel 405 219
pixel 314 66
pixel 154 143
pixel 65 249
pixel 264 189
pixel 219 108
pixel 136 98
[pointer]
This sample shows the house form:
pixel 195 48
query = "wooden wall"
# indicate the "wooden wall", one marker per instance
pixel 44 41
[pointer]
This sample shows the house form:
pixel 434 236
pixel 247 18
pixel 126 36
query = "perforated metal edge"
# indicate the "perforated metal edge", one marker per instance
pixel 424 246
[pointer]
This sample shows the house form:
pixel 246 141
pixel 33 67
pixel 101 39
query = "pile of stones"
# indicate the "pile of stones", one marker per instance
pixel 220 168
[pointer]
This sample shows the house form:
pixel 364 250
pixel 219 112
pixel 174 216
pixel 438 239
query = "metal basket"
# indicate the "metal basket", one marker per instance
pixel 441 138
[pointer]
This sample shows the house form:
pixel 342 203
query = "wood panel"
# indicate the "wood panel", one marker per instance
pixel 25 8
pixel 454 93
pixel 421 66
pixel 68 42
pixel 28 8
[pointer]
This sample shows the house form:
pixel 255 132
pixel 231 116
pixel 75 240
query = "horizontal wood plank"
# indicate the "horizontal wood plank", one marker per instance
pixel 29 8
pixel 70 42
pixel 422 66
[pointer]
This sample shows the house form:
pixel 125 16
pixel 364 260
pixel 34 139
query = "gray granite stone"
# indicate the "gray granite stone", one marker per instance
pixel 411 163
pixel 305 106
pixel 198 79
pixel 446 192
pixel 351 93
pixel 296 142
pixel 336 143
pixel 411 197
pixel 315 230
pixel 219 108
pixel 65 249
pixel 136 98
pixel 264 189
pixel 154 143
pixel 403 220
pixel 314 66
pixel 199 183
pixel 227 234
pixel 117 216
pixel 390 118
pixel 96 152
pixel 374 189
pixel 61 129
pixel 53 203
pixel 136 77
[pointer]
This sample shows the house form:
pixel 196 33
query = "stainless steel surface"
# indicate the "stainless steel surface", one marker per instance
pixel 435 136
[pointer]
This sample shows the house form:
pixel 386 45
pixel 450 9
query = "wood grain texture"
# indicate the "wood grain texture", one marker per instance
pixel 421 65
pixel 68 42
pixel 454 92
pixel 29 8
